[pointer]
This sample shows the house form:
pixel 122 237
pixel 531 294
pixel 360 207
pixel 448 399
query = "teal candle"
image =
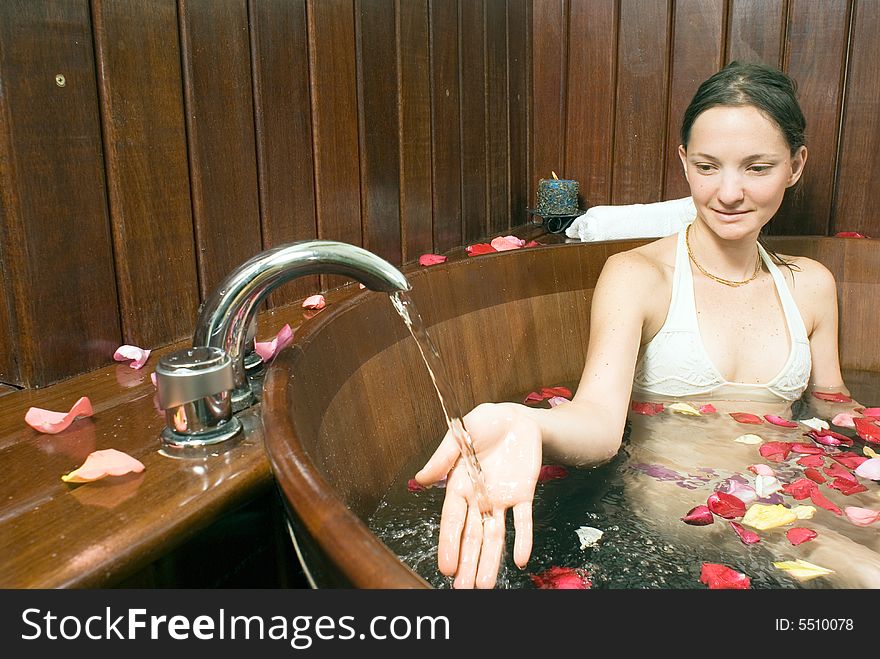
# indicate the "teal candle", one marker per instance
pixel 557 197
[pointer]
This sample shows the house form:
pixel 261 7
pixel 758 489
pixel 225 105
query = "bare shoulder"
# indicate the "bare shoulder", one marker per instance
pixel 648 264
pixel 808 276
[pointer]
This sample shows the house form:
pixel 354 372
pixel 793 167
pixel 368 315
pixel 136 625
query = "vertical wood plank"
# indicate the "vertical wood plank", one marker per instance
pixel 414 139
pixel 220 126
pixel 590 99
pixel 518 64
pixel 497 109
pixel 380 170
pixel 696 54
pixel 446 136
pixel 755 31
pixel 147 168
pixel 58 252
pixel 859 166
pixel 549 47
pixel 815 58
pixel 474 122
pixel 283 118
pixel 641 101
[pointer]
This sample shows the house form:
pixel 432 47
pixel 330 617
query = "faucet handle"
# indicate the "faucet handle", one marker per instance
pixel 195 386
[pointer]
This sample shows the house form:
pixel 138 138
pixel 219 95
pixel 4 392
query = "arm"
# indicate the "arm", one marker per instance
pixel 821 293
pixel 509 438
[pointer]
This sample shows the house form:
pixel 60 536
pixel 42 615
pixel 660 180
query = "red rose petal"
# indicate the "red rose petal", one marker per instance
pixel 480 248
pixel 839 471
pixel 814 475
pixel 726 505
pixel 414 486
pixel 533 397
pixel 811 461
pixel 49 422
pixel 708 408
pixel 798 535
pixel 431 259
pixel 819 499
pixel 800 489
pixel 562 578
pixel 747 537
pixel 779 421
pixel 549 472
pixel 698 516
pixel 829 438
pixel 849 460
pixel 775 451
pixel 745 417
pixel 847 487
pixel 849 234
pixel 550 392
pixel 810 449
pixel 832 398
pixel 718 576
pixel 867 429
pixel 648 409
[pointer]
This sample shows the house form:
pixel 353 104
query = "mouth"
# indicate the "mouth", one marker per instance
pixel 729 215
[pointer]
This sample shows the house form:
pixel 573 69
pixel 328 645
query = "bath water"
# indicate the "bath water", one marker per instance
pixel 667 464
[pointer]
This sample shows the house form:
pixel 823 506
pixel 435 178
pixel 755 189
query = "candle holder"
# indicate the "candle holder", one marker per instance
pixel 557 203
pixel 555 223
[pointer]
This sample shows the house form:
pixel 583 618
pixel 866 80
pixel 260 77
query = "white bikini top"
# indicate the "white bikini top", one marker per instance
pixel 675 362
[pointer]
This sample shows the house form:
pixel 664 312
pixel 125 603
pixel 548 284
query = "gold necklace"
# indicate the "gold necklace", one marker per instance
pixel 726 282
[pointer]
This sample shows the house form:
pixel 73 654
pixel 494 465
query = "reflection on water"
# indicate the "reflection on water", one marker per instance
pixel 668 464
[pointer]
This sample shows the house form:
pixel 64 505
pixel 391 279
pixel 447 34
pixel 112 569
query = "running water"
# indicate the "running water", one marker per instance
pixel 448 401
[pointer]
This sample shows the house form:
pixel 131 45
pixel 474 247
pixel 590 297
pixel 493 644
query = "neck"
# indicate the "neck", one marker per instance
pixel 730 259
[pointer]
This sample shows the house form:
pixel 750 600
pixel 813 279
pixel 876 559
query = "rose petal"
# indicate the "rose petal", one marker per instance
pixel 779 421
pixel 819 499
pixel 708 408
pixel 138 355
pixel 431 259
pixel 861 516
pixel 533 243
pixel 869 469
pixel 726 505
pixel 867 429
pixel 414 486
pixel 743 492
pixel 829 438
pixel 763 517
pixel 648 409
pixel 504 243
pixel 588 536
pixel 814 475
pixel 268 349
pixel 153 379
pixel 698 516
pixel 557 400
pixel 815 423
pixel 549 392
pixel 844 420
pixel 718 576
pixel 832 397
pixel 811 461
pixel 839 471
pixel 800 489
pixel 762 470
pixel 562 578
pixel 869 411
pixel 804 512
pixel 749 439
pixel 767 485
pixel 314 302
pixel 745 417
pixel 849 234
pixel 550 472
pixel 480 248
pixel 846 486
pixel 802 569
pixel 685 409
pixel 747 537
pixel 100 464
pixel 869 452
pixel 775 451
pixel 810 449
pixel 799 535
pixel 49 422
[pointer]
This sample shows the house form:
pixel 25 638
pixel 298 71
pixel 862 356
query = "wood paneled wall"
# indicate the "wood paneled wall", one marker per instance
pixel 147 148
pixel 612 79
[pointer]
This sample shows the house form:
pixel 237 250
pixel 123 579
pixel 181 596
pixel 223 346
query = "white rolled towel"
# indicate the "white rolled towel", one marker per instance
pixel 662 218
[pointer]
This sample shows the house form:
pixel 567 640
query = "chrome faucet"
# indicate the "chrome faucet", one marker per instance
pixel 201 387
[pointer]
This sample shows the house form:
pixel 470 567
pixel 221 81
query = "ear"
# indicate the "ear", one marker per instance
pixel 683 155
pixel 798 160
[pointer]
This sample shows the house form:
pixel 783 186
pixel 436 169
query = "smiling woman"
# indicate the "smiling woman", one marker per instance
pixel 704 315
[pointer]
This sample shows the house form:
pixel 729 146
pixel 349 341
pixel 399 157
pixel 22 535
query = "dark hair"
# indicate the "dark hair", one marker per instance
pixel 769 90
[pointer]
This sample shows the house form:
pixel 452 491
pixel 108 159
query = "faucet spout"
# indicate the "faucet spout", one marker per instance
pixel 223 323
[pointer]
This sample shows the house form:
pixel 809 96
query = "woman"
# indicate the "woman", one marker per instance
pixel 704 314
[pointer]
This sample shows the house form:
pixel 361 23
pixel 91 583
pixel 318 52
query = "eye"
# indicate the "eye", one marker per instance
pixel 704 167
pixel 760 169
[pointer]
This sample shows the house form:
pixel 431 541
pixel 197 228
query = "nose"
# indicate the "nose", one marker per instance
pixel 730 188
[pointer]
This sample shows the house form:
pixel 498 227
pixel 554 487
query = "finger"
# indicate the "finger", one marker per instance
pixel 522 523
pixel 440 463
pixel 493 547
pixel 470 550
pixel 452 522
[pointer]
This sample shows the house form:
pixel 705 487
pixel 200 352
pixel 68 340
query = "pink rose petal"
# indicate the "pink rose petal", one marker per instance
pixel 49 422
pixel 698 516
pixel 504 243
pixel 869 411
pixel 718 576
pixel 829 438
pixel 747 537
pixel 799 535
pixel 745 417
pixel 268 349
pixel 743 492
pixel 861 516
pixel 100 464
pixel 869 469
pixel 562 578
pixel 557 400
pixel 431 259
pixel 314 302
pixel 762 470
pixel 139 356
pixel 844 420
pixel 779 421
pixel 153 379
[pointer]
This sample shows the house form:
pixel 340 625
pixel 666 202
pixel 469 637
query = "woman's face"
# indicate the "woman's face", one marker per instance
pixel 738 165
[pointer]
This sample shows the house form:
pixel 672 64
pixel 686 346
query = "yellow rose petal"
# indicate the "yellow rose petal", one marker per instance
pixel 749 439
pixel 870 453
pixel 762 517
pixel 804 512
pixel 803 570
pixel 685 408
